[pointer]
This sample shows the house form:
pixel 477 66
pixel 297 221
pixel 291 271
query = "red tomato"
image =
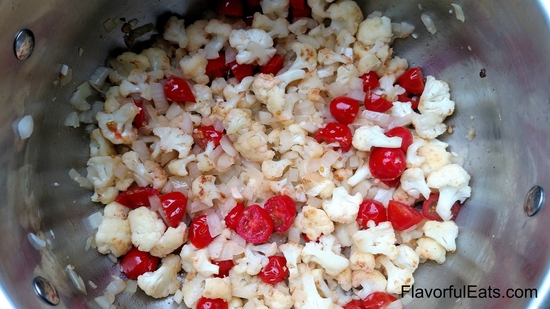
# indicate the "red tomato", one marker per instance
pixel 231 8
pixel 274 65
pixel 205 134
pixel 225 267
pixel 405 134
pixel 174 205
pixel 429 205
pixel 241 71
pixel 275 271
pixel 335 132
pixel 412 80
pixel 371 210
pixel 392 183
pixel 217 67
pixel 387 163
pixel 370 81
pixel 140 119
pixel 136 197
pixel 282 210
pixel 308 240
pixel 233 217
pixel 354 304
pixel 404 98
pixel 402 216
pixel 199 235
pixel 255 225
pixel 253 6
pixel 177 89
pixel 211 303
pixel 299 13
pixel 298 4
pixel 344 109
pixel 136 263
pixel 377 103
pixel 378 300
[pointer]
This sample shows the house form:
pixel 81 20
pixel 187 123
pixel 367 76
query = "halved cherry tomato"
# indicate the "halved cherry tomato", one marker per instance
pixel 392 183
pixel 275 271
pixel 255 225
pixel 354 304
pixel 174 205
pixel 371 210
pixel 274 65
pixel 232 218
pixel 177 89
pixel 211 303
pixel 429 205
pixel 370 81
pixel 217 67
pixel 136 197
pixel 387 163
pixel 282 210
pixel 377 103
pixel 136 263
pixel 344 109
pixel 298 4
pixel 405 134
pixel 253 6
pixel 299 13
pixel 412 80
pixel 205 134
pixel 231 8
pixel 378 300
pixel 241 71
pixel 405 98
pixel 225 267
pixel 140 119
pixel 335 132
pixel 199 234
pixel 402 216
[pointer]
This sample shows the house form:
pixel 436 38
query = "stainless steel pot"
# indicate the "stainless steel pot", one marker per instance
pixel 499 246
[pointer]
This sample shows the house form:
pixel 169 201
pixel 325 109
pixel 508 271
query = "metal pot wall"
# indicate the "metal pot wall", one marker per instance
pixel 499 245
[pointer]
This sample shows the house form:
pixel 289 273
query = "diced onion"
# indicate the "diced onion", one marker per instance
pixel 36 241
pixel 156 205
pixel 178 297
pixel 103 302
pixel 227 146
pixel 173 111
pixel 94 220
pixel 294 235
pixel 380 119
pixel 459 12
pixel 76 279
pixel 141 149
pixel 98 77
pixel 92 284
pixel 72 120
pixel 88 243
pixel 197 206
pixel 82 181
pixel 157 93
pixel 112 258
pixel 402 30
pixel 131 286
pixel 25 127
pixel 238 239
pixel 215 226
pixel 230 55
pixel 116 286
pixel 429 23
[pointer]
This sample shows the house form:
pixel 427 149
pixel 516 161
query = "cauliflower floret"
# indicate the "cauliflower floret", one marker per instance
pixel 220 34
pixel 158 58
pixel 275 28
pixel 178 167
pixel 147 228
pixel 375 29
pixel 117 126
pixel 127 62
pixel 99 145
pixel 377 239
pixel 435 156
pixel 172 139
pixel 366 137
pixel 444 233
pixel 413 159
pixel 413 182
pixel 274 169
pixel 197 35
pixel 157 173
pixel 327 57
pixel 343 207
pixel 204 101
pixel 253 146
pixel 174 32
pixel 429 124
pixel 406 258
pixel 204 188
pixel 314 222
pixel 361 174
pixel 238 121
pixel 452 183
pixel 252 45
pixel 276 296
pixel 373 281
pixel 193 67
pixel 436 98
pixel 244 285
pixel 133 163
pixel 164 281
pixel 430 249
pixel 246 98
pixel 313 300
pixel 345 15
pixel 113 234
pixel 193 261
pixel 192 289
pixel 136 83
pixel 322 253
pixel 101 171
pixel 292 252
pixel 361 260
pixel 217 288
pixel 270 91
pixel 306 57
pixel 344 231
pixel 172 239
pixel 372 58
pixel 398 278
pixel 275 8
pixel 205 160
pixel 254 258
pixel 318 9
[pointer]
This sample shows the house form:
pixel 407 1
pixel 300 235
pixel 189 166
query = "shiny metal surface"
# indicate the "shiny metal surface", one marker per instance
pixel 499 246
pixel 534 200
pixel 46 291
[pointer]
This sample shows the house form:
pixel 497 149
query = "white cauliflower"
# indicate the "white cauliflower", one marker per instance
pixel 406 258
pixel 444 233
pixel 172 239
pixel 366 137
pixel 318 9
pixel 253 146
pixel 276 296
pixel 343 207
pixel 178 167
pixel 136 83
pixel 172 139
pixel 314 222
pixel 277 28
pixel 275 8
pixel 220 34
pixel 197 36
pixel 414 183
pixel 377 239
pixel 429 124
pixel 398 278
pixel 133 163
pixel 375 29
pixel 306 57
pixel 158 58
pixel 193 67
pixel 174 32
pixel 344 231
pixel 192 288
pixel 204 189
pixel 435 156
pixel 452 183
pixel 147 228
pixel 117 126
pixel 274 169
pixel 360 260
pixel 164 281
pixel 322 253
pixel 101 171
pixel 345 15
pixel 436 98
pixel 244 285
pixel 327 56
pixel 291 252
pixel 412 157
pixel 254 258
pixel 204 101
pixel 361 174
pixel 313 300
pixel 238 120
pixel 218 288
pixel 197 261
pixel 252 45
pixel 205 159
pixel 430 249
pixel 99 145
pixel 270 91
pixel 373 281
pixel 113 234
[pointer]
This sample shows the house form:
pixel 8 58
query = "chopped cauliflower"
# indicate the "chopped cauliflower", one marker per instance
pixel 444 233
pixel 218 288
pixel 377 239
pixel 147 228
pixel 452 182
pixel 205 189
pixel 314 222
pixel 275 8
pixel 343 207
pixel 323 253
pixel 366 137
pixel 291 252
pixel 373 281
pixel 413 182
pixel 435 156
pixel 313 299
pixel 253 146
pixel 406 258
pixel 398 278
pixel 220 34
pixel 117 126
pixel 172 139
pixel 430 249
pixel 276 296
pixel 277 28
pixel 172 239
pixel 163 281
pixel 194 68
pixel 174 32
pixel 436 98
pixel 375 29
pixel 360 260
pixel 345 14
pixel 197 36
pixel 114 234
pixel 252 45
pixel 274 169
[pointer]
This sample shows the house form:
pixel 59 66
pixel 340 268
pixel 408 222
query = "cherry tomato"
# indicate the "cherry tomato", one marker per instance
pixel 231 8
pixel 298 4
pixel 217 67
pixel 273 66
pixel 136 263
pixel 205 134
pixel 282 210
pixel 378 300
pixel 174 205
pixel 371 210
pixel 275 271
pixel 370 81
pixel 241 71
pixel 253 6
pixel 211 303
pixel 199 234
pixel 402 216
pixel 232 218
pixel 377 103
pixel 140 119
pixel 412 80
pixel 344 109
pixel 354 304
pixel 405 98
pixel 387 163
pixel 405 134
pixel 306 239
pixel 392 183
pixel 177 89
pixel 429 205
pixel 136 197
pixel 299 13
pixel 225 267
pixel 335 132
pixel 255 225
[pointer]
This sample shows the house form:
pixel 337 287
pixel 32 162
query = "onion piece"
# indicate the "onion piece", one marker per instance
pixel 72 120
pixel 227 146
pixel 36 241
pixel 98 77
pixel 230 55
pixel 156 205
pixel 380 119
pixel 25 127
pixel 103 302
pixel 82 181
pixel 215 226
pixel 157 94
pixel 459 12
pixel 173 111
pixel 92 284
pixel 94 220
pixel 131 286
pixel 429 23
pixel 76 279
pixel 116 286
